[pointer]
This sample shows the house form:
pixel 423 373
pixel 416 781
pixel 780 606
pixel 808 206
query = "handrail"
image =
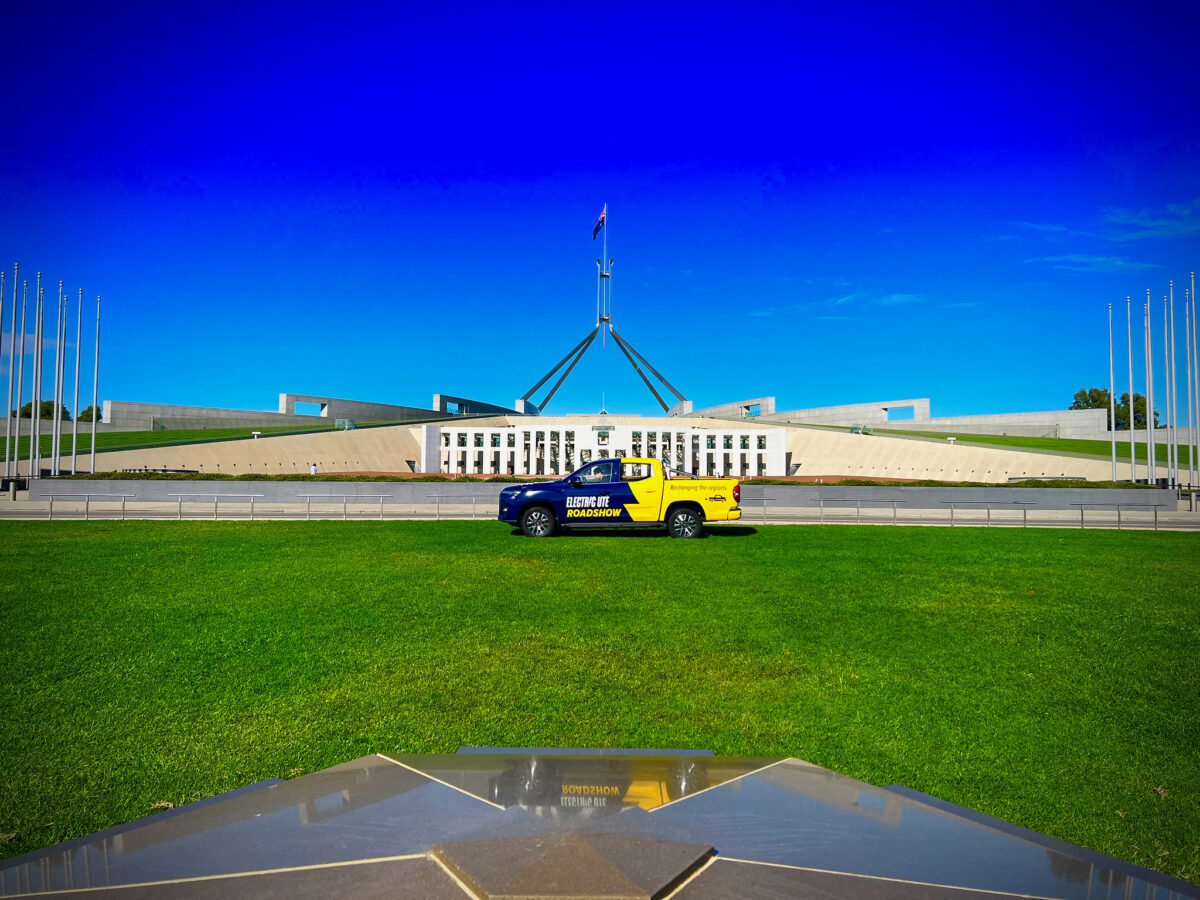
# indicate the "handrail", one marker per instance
pixel 216 500
pixel 87 502
pixel 1083 505
pixel 308 499
pixel 1024 504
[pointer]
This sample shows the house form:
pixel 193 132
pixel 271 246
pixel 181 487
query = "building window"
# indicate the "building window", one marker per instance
pixel 710 442
pixel 728 441
pixel 478 440
pixel 462 439
pixel 745 441
pixel 496 439
pixel 512 439
pixel 762 442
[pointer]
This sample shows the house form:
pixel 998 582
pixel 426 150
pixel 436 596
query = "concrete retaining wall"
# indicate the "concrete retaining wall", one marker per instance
pixel 791 495
pixel 414 492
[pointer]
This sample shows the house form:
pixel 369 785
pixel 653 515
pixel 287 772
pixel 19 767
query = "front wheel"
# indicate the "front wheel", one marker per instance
pixel 685 523
pixel 537 521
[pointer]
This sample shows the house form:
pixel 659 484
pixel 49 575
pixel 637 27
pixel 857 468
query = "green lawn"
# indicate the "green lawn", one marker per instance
pixel 1071 446
pixel 137 440
pixel 1045 677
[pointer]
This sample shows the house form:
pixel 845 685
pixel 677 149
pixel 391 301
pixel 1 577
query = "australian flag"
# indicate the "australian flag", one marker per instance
pixel 599 224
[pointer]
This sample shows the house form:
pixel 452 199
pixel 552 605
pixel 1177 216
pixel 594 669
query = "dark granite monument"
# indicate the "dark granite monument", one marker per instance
pixel 525 823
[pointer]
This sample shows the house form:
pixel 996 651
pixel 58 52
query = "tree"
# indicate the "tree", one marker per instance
pixel 47 411
pixel 86 415
pixel 1097 398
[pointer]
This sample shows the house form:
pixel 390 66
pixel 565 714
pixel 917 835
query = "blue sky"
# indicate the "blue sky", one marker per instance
pixel 381 201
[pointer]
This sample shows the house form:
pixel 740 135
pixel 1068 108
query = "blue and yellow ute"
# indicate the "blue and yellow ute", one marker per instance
pixel 616 493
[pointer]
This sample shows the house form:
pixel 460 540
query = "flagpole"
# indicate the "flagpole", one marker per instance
pixel 1167 387
pixel 36 394
pixel 1129 420
pixel 1196 381
pixel 96 386
pixel 20 384
pixel 1112 400
pixel 1187 365
pixel 1174 398
pixel 57 421
pixel 75 419
pixel 12 349
pixel 1151 461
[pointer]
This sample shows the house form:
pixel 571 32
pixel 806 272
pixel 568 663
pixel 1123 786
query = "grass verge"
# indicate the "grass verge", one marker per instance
pixel 1045 677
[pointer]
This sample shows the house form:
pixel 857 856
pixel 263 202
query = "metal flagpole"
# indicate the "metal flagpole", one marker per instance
pixel 20 383
pixel 1112 400
pixel 96 386
pixel 35 449
pixel 1196 380
pixel 1167 387
pixel 12 348
pixel 1129 421
pixel 1151 462
pixel 57 421
pixel 75 419
pixel 1174 397
pixel 1187 364
pixel 10 469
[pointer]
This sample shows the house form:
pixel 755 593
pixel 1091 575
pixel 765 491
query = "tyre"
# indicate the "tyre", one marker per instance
pixel 538 521
pixel 685 522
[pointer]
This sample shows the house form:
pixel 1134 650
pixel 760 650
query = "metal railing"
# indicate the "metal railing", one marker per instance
pixel 437 498
pixel 345 498
pixel 1118 506
pixel 1024 504
pixel 87 502
pixel 216 498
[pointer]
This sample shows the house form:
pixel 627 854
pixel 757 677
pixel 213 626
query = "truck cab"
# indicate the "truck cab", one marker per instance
pixel 615 493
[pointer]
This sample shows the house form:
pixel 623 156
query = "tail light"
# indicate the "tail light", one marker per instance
pixel 737 493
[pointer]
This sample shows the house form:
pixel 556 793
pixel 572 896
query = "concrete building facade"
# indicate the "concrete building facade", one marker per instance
pixel 555 446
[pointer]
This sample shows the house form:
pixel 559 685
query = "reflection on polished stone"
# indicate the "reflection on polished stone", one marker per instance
pixel 570 864
pixel 544 823
pixel 580 787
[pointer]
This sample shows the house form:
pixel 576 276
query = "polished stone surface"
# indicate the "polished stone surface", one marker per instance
pixel 531 823
pixel 571 864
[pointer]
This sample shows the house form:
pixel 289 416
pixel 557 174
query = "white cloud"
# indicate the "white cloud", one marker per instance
pixel 1176 220
pixel 1079 262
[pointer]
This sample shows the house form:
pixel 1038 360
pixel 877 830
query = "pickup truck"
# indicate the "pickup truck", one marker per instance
pixel 615 493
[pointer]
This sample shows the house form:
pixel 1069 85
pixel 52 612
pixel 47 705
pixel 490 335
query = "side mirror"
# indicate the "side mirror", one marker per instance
pixel 576 482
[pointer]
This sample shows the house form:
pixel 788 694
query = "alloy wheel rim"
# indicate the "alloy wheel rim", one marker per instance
pixel 687 525
pixel 538 522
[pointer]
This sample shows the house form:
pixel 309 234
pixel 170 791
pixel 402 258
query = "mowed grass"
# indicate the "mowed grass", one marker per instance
pixel 1045 677
pixel 139 440
pixel 1071 446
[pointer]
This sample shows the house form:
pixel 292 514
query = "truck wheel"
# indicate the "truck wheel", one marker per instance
pixel 537 521
pixel 685 522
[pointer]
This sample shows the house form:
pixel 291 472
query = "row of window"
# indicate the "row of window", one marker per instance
pixel 710 440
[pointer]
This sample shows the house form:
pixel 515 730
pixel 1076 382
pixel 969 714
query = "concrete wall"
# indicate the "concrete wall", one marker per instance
pixel 1061 423
pixel 441 403
pixel 823 453
pixel 129 416
pixel 85 428
pixel 409 492
pixel 739 409
pixel 940 497
pixel 853 414
pixel 386 449
pixel 355 410
pixel 160 491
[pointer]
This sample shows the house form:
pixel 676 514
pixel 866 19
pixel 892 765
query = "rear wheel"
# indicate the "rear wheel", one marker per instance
pixel 538 521
pixel 685 522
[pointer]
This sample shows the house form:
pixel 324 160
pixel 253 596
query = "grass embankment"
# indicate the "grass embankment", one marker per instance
pixel 1045 677
pixel 1069 446
pixel 140 440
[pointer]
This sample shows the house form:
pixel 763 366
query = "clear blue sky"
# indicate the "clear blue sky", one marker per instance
pixel 382 201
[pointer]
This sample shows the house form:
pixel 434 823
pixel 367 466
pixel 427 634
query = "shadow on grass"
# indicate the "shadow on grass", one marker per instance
pixel 720 531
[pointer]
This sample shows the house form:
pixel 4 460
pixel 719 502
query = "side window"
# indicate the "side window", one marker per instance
pixel 601 473
pixel 634 471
